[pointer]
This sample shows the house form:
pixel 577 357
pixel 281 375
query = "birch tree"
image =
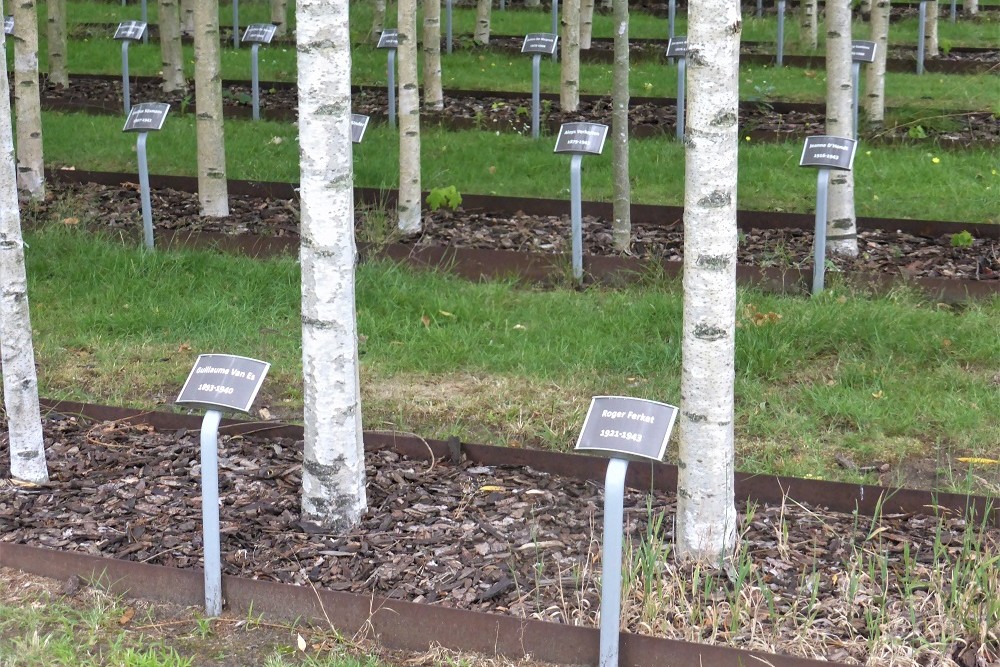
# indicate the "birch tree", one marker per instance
pixel 213 192
pixel 187 17
pixel 57 43
pixel 171 51
pixel 279 17
pixel 841 225
pixel 433 93
pixel 931 30
pixel 20 384
pixel 569 69
pixel 481 35
pixel 621 226
pixel 586 23
pixel 333 468
pixel 874 97
pixel 27 105
pixel 378 21
pixel 808 24
pixel 865 9
pixel 970 7
pixel 408 207
pixel 706 510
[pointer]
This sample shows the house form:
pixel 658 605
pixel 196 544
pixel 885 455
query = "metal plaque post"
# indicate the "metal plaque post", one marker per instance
pixel 145 34
pixel 210 512
pixel 391 66
pixel 536 94
pixel 126 92
pixel 671 18
pixel 681 76
pixel 760 8
pixel 611 560
pixel 576 215
pixel 555 25
pixel 855 82
pixel 781 32
pixel 579 139
pixel 147 208
pixel 819 246
pixel 447 14
pixel 255 80
pixel 921 35
pixel 236 24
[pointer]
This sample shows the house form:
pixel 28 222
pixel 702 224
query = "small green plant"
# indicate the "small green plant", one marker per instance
pixel 962 239
pixel 448 198
pixel 917 132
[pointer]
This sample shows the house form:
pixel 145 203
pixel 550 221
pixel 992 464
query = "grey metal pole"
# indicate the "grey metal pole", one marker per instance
pixel 611 561
pixel 555 25
pixel 819 243
pixel 503 5
pixel 392 87
pixel 760 8
pixel 856 81
pixel 954 11
pixel 576 215
pixel 447 14
pixel 681 83
pixel 671 17
pixel 145 33
pixel 147 208
pixel 921 33
pixel 210 512
pixel 255 80
pixel 536 93
pixel 126 93
pixel 236 24
pixel 781 32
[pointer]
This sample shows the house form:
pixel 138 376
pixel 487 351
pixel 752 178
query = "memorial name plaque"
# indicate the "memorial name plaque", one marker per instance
pixel 130 30
pixel 389 39
pixel 828 152
pixel 863 51
pixel 359 123
pixel 146 117
pixel 540 42
pixel 581 138
pixel 8 25
pixel 677 47
pixel 223 381
pixel 631 427
pixel 259 33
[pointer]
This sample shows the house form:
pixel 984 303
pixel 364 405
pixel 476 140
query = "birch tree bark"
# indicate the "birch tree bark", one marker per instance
pixel 874 97
pixel 171 51
pixel 569 70
pixel 333 468
pixel 808 22
pixel 586 23
pixel 706 510
pixel 621 226
pixel 17 356
pixel 482 33
pixel 378 21
pixel 433 92
pixel 409 119
pixel 841 225
pixel 187 17
pixel 213 192
pixel 279 17
pixel 970 7
pixel 27 106
pixel 56 37
pixel 931 36
pixel 865 9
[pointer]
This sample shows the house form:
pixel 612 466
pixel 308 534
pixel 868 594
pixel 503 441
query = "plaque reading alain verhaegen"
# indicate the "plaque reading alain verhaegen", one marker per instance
pixel 389 39
pixel 146 117
pixel 584 138
pixel 627 426
pixel 863 51
pixel 130 30
pixel 677 47
pixel 8 25
pixel 828 152
pixel 259 33
pixel 359 123
pixel 540 42
pixel 223 381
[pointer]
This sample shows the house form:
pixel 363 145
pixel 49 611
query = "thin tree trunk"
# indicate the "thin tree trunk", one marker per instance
pixel 706 511
pixel 378 21
pixel 213 191
pixel 187 17
pixel 482 32
pixel 569 88
pixel 931 36
pixel 874 98
pixel 433 93
pixel 171 52
pixel 56 34
pixel 865 9
pixel 841 225
pixel 621 228
pixel 408 207
pixel 607 4
pixel 30 170
pixel 808 21
pixel 333 468
pixel 970 7
pixel 586 23
pixel 279 17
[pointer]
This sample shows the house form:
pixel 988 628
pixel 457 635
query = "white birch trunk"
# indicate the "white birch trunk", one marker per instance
pixel 865 9
pixel 607 4
pixel 482 33
pixel 706 510
pixel 970 7
pixel 56 37
pixel 279 17
pixel 30 168
pixel 586 23
pixel 841 225
pixel 213 192
pixel 333 468
pixel 433 92
pixel 378 21
pixel 409 120
pixel 569 70
pixel 171 52
pixel 874 97
pixel 931 36
pixel 808 23
pixel 187 17
pixel 621 226
pixel 20 384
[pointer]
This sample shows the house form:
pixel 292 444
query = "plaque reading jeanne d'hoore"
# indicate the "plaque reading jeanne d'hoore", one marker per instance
pixel 828 152
pixel 131 30
pixel 581 138
pixel 627 426
pixel 259 33
pixel 540 42
pixel 359 123
pixel 146 117
pixel 223 381
pixel 8 25
pixel 389 39
pixel 677 47
pixel 863 51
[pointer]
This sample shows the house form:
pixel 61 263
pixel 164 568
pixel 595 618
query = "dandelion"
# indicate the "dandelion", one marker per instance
pixel 935 160
pixel 868 152
pixel 748 137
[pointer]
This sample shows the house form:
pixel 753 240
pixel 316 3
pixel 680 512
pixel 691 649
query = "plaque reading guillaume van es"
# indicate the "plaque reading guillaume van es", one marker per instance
pixel 627 426
pixel 581 138
pixel 540 42
pixel 130 30
pixel 389 39
pixel 828 152
pixel 146 117
pixel 223 381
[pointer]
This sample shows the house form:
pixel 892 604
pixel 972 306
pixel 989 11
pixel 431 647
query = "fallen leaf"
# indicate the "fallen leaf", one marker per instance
pixel 426 321
pixel 978 460
pixel 127 616
pixel 490 487
pixel 184 347
pixel 878 394
pixel 946 342
pixel 71 221
pixel 446 313
pixel 264 413
pixel 520 327
pixel 302 643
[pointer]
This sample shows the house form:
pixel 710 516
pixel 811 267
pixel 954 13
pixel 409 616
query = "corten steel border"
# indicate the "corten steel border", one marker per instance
pixel 476 264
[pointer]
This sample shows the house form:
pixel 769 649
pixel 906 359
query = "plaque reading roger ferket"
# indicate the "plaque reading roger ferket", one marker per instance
pixel 223 381
pixel 146 117
pixel 540 42
pixel 389 39
pixel 131 30
pixel 677 47
pixel 259 33
pixel 828 152
pixel 627 426
pixel 581 138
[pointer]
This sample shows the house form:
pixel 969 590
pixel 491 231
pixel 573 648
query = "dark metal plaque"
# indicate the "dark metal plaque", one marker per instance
pixel 359 123
pixel 627 426
pixel 146 117
pixel 259 33
pixel 223 381
pixel 389 39
pixel 581 138
pixel 540 42
pixel 8 25
pixel 863 51
pixel 828 152
pixel 677 47
pixel 130 30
